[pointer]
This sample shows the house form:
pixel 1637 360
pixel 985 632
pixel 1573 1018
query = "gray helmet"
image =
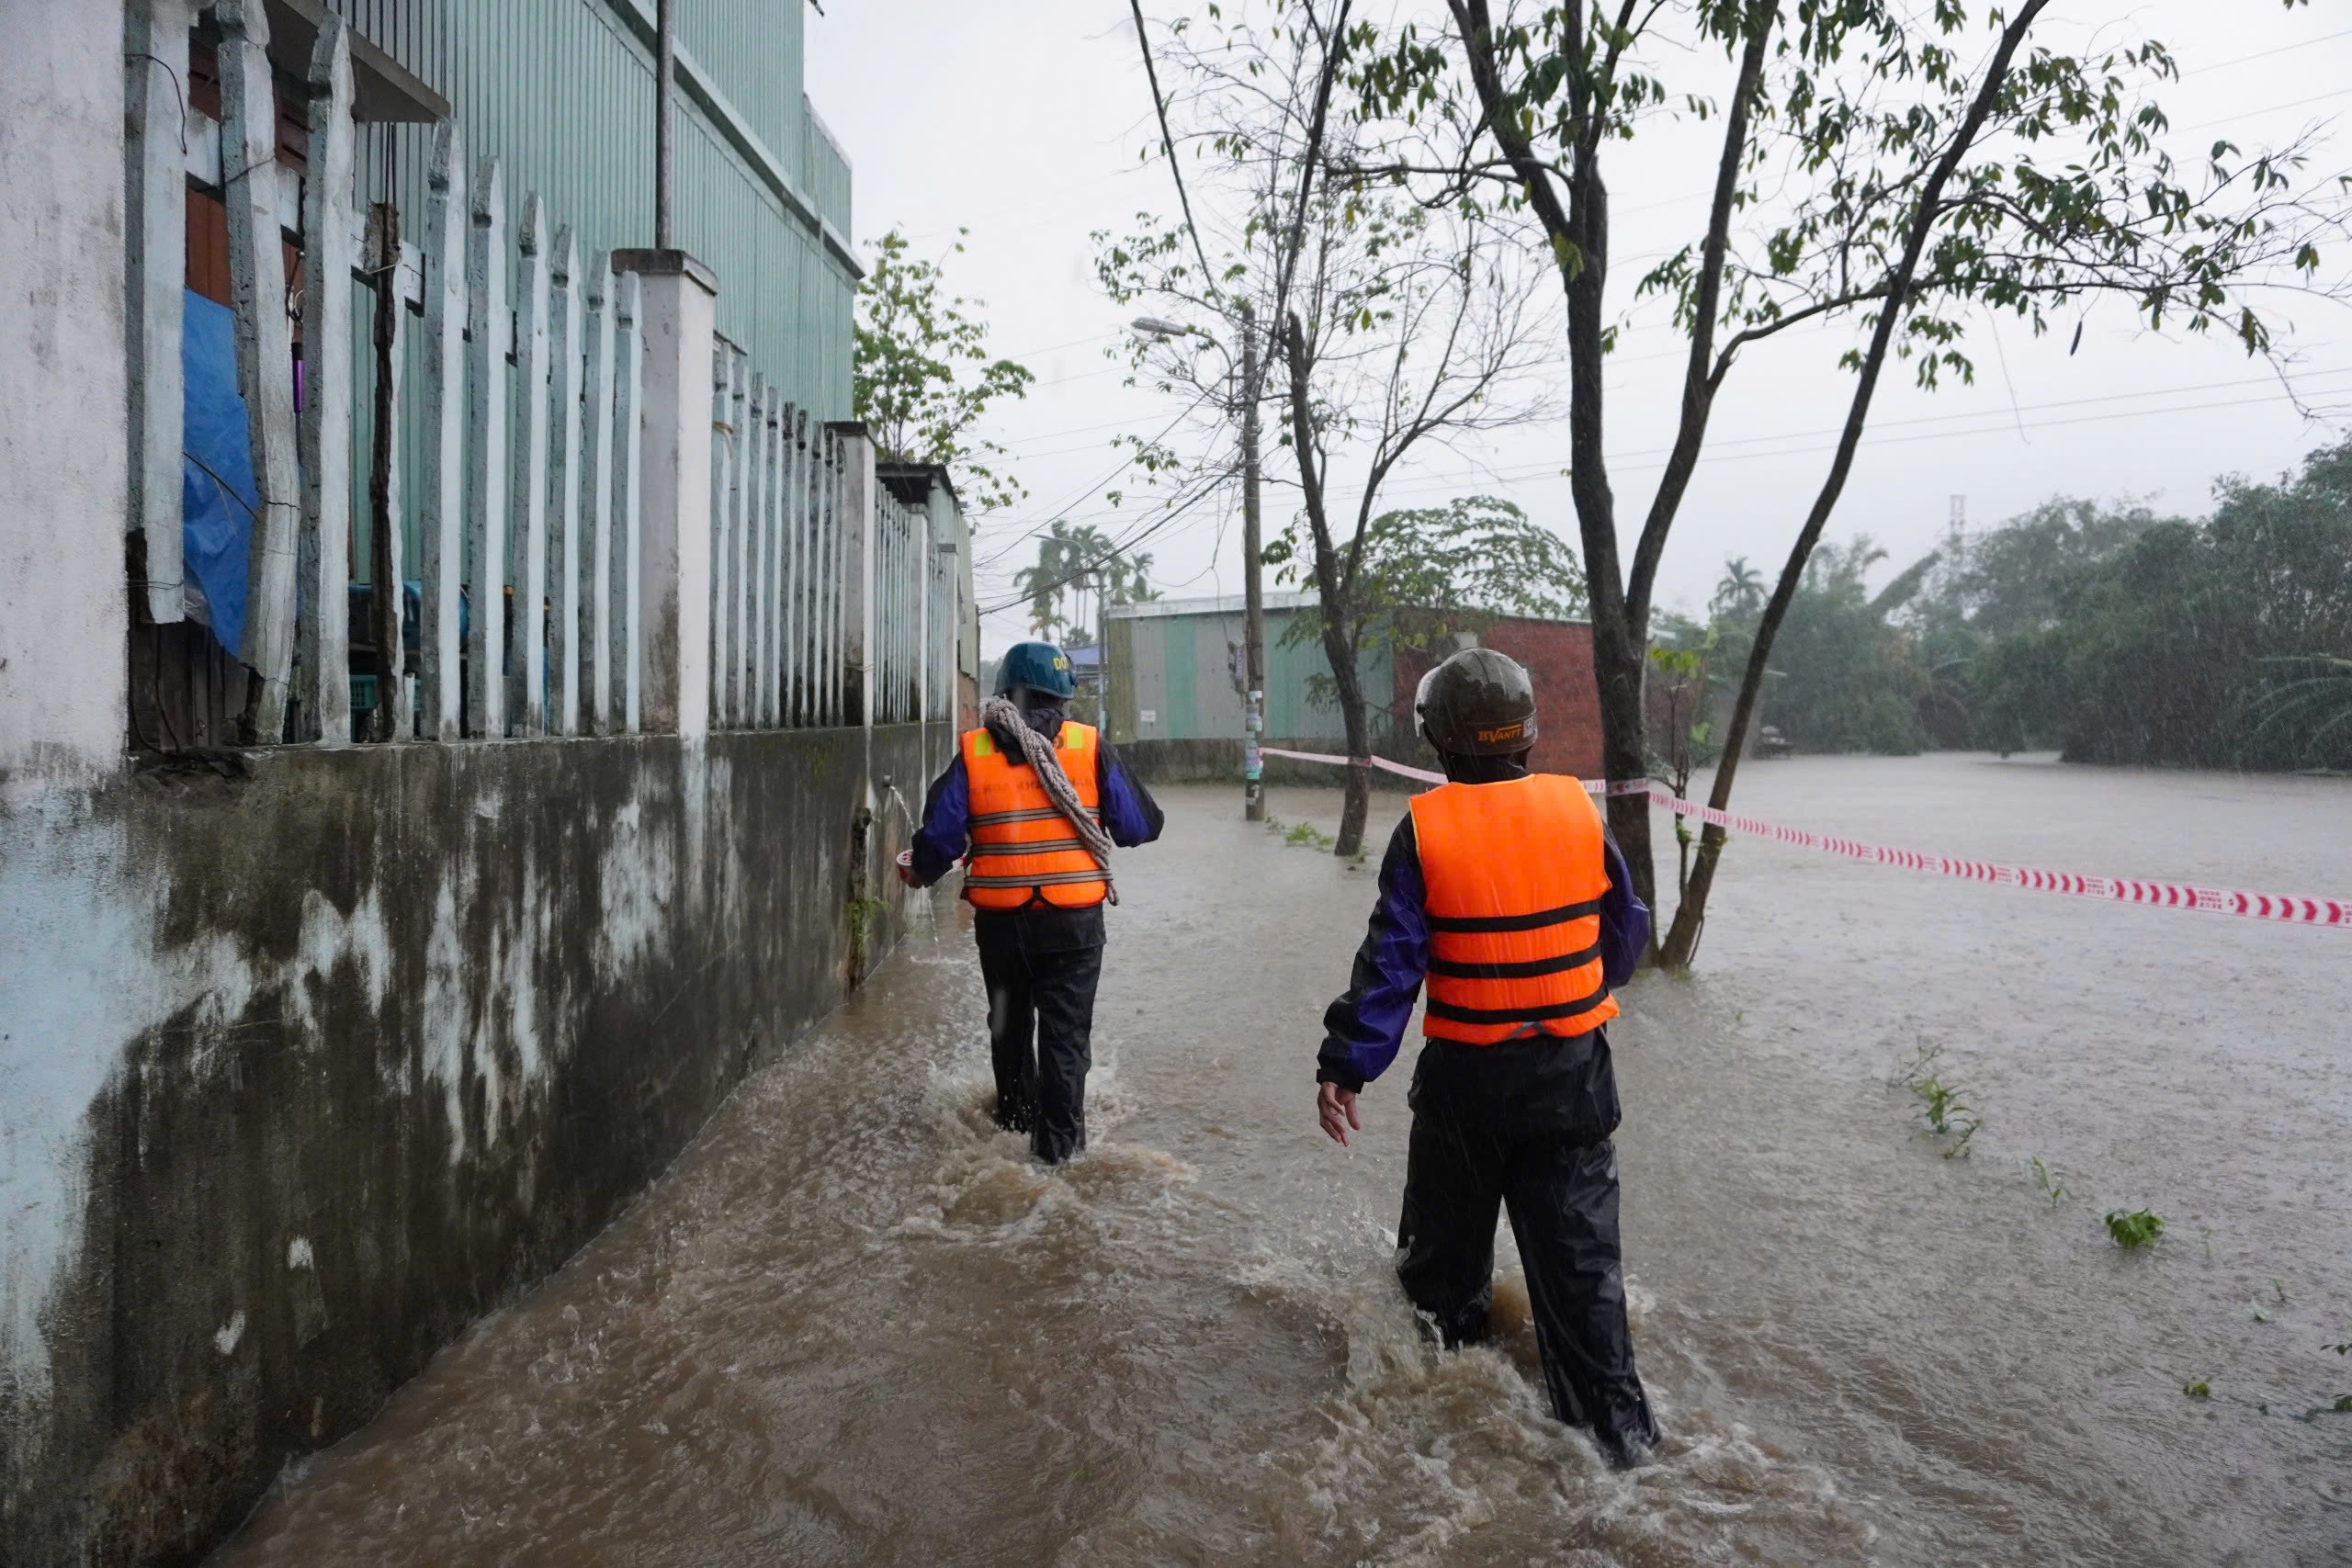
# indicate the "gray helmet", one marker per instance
pixel 1478 703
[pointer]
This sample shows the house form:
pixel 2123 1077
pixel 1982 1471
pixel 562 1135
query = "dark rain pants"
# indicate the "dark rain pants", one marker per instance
pixel 1041 967
pixel 1525 1124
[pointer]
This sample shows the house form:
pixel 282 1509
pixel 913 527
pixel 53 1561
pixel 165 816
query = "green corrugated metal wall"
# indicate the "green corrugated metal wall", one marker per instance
pixel 1176 666
pixel 1179 653
pixel 563 92
pixel 752 49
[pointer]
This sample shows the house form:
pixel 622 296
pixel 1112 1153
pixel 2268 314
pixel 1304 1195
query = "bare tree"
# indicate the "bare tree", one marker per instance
pixel 1407 331
pixel 1387 326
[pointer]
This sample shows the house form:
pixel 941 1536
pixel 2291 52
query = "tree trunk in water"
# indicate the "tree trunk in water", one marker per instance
pixel 1358 723
pixel 1618 669
pixel 1691 915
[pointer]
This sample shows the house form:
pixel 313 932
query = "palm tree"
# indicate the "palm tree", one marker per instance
pixel 1077 561
pixel 2311 706
pixel 1739 596
pixel 1059 556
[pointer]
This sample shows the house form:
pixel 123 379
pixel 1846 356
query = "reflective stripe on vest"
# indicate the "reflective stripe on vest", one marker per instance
pixel 1514 873
pixel 1023 849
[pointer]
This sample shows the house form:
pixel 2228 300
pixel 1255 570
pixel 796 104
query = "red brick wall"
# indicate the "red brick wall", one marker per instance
pixel 1558 654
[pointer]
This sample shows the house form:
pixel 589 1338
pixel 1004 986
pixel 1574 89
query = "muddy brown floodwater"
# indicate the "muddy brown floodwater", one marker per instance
pixel 854 1325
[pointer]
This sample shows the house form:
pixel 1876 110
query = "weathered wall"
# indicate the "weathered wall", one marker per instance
pixel 306 1057
pixel 62 601
pixel 1558 656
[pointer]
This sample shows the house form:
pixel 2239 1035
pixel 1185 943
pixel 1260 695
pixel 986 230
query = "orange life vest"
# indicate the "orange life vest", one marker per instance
pixel 1514 872
pixel 1022 848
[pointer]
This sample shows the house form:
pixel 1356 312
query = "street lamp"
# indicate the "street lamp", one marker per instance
pixel 1253 635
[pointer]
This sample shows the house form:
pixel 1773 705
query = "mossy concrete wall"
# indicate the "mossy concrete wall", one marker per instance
pixel 308 1057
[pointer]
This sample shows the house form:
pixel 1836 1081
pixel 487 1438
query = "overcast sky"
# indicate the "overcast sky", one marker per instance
pixel 1021 122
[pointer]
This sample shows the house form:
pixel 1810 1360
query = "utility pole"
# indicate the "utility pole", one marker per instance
pixel 666 30
pixel 1253 697
pixel 1253 632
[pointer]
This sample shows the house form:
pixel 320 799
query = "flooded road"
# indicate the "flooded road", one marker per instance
pixel 855 1325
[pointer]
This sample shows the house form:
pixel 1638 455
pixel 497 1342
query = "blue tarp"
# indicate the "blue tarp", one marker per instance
pixel 217 495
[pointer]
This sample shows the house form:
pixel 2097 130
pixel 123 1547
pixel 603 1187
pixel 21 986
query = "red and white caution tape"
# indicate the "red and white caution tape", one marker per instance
pixel 2289 909
pixel 1382 763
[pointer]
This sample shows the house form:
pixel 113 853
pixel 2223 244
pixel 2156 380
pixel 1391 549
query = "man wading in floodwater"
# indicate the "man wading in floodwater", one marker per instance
pixel 1502 887
pixel 1042 798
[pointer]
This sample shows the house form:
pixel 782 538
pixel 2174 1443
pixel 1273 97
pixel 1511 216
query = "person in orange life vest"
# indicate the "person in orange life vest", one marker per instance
pixel 1503 890
pixel 1040 799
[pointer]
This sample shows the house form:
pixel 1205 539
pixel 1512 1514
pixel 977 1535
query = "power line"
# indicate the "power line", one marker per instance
pixel 2267 108
pixel 1181 414
pixel 1117 550
pixel 1057 435
pixel 1057 348
pixel 1425 483
pixel 2265 54
pixel 1796 443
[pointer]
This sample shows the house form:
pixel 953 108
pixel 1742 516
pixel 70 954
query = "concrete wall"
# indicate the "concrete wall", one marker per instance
pixel 306 1057
pixel 63 603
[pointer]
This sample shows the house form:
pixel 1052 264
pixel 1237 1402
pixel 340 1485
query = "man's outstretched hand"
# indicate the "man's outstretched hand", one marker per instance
pixel 1337 1107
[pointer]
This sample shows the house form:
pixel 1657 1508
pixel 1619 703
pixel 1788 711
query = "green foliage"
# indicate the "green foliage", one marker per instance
pixel 1306 835
pixel 923 377
pixel 2111 633
pixel 1941 1105
pixel 1847 674
pixel 1427 574
pixel 2307 710
pixel 2122 637
pixel 2134 1229
pixel 1850 680
pixel 1300 835
pixel 2048 1182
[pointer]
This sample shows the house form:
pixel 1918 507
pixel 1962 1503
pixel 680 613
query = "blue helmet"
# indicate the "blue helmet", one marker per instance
pixel 1039 665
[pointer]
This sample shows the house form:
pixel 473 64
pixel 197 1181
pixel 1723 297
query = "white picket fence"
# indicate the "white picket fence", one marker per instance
pixel 901 539
pixel 941 621
pixel 521 397
pixel 829 595
pixel 781 548
pixel 525 412
pixel 914 617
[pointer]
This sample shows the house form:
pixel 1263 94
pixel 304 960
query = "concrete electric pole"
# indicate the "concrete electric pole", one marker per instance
pixel 1253 595
pixel 665 72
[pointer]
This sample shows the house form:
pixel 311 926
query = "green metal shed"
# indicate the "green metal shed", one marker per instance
pixel 1176 672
